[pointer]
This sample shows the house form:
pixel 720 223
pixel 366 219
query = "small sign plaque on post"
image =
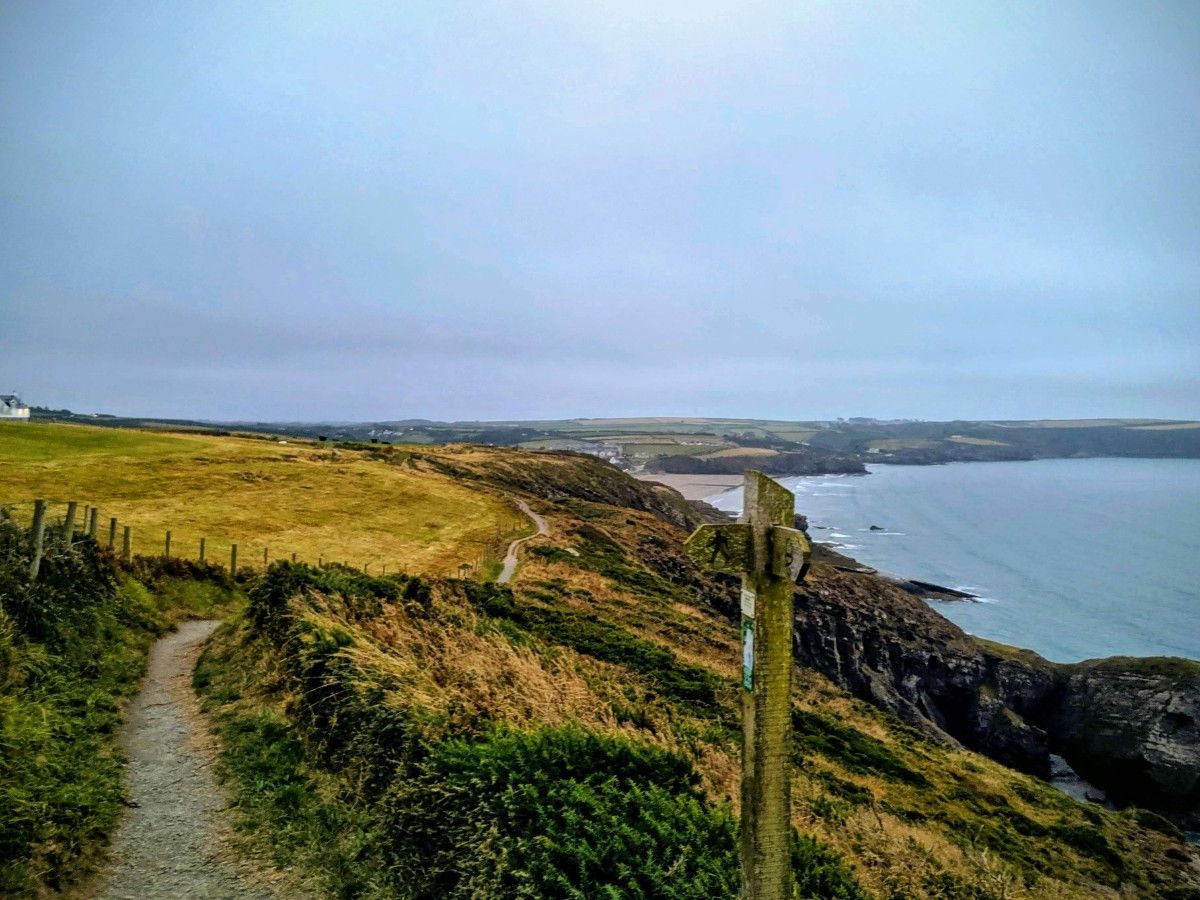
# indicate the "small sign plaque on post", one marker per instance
pixel 748 599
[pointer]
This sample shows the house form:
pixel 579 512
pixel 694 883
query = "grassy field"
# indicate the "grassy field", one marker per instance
pixel 309 499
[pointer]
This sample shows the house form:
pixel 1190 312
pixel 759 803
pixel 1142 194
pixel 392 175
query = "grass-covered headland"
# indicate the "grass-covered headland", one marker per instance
pixel 73 645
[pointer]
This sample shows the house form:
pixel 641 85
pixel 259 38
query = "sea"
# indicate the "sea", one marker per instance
pixel 1072 558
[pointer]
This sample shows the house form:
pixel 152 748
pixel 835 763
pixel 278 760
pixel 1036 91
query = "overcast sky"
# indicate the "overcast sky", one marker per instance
pixel 523 209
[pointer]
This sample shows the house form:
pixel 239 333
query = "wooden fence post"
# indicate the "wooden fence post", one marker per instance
pixel 265 556
pixel 293 557
pixel 201 549
pixel 127 545
pixel 93 522
pixel 771 556
pixel 39 532
pixel 69 523
pixel 112 533
pixel 232 560
pixel 167 546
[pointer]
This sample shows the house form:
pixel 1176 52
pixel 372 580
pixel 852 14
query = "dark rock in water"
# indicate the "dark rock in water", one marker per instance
pixel 938 591
pixel 876 528
pixel 925 589
pixel 1129 726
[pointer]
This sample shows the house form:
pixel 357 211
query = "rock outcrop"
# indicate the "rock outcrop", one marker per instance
pixel 1131 726
pixel 1128 725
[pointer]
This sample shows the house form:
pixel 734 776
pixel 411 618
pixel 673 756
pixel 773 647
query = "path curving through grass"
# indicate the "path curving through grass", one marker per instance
pixel 510 558
pixel 174 841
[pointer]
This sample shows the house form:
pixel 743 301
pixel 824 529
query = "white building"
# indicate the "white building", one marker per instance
pixel 11 408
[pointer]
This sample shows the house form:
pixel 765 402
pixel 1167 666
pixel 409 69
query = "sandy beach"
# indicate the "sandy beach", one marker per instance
pixel 693 487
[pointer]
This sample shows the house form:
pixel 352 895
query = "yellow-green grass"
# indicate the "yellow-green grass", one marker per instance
pixel 1172 426
pixel 652 450
pixel 975 441
pixel 740 451
pixel 688 439
pixel 902 444
pixel 1070 423
pixel 312 500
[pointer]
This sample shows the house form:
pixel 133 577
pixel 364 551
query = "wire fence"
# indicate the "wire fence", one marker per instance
pixel 72 521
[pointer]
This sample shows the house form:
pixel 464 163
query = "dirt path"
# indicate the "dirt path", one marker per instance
pixel 510 558
pixel 173 842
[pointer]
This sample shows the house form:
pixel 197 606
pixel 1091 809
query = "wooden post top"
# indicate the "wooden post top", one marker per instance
pixel 729 548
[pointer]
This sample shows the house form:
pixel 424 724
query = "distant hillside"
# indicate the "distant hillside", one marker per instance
pixel 730 446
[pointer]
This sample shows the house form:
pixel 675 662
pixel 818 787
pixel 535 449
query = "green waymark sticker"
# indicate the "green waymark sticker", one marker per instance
pixel 748 654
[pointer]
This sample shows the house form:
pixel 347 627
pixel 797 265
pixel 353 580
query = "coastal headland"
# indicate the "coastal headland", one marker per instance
pixel 356 713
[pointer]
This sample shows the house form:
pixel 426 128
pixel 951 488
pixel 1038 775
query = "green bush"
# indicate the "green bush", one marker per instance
pixel 72 645
pixel 558 813
pixel 566 813
pixel 364 594
pixel 855 751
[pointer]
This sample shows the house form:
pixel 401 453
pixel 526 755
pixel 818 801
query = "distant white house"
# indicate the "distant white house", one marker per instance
pixel 12 409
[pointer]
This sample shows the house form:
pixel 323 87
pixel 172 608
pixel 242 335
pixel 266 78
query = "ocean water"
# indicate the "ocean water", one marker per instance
pixel 1073 558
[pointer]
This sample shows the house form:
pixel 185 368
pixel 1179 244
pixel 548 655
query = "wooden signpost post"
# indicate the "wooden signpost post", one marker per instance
pixel 771 556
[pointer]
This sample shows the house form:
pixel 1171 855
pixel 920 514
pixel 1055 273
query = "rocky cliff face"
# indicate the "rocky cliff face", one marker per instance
pixel 1128 725
pixel 1131 725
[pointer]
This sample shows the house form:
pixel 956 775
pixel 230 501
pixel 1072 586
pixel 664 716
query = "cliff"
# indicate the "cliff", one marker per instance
pixel 1131 726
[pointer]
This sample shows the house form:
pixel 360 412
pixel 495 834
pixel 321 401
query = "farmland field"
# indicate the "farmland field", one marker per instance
pixel 309 499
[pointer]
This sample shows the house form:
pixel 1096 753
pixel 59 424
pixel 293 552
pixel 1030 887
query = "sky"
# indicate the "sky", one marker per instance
pixel 517 210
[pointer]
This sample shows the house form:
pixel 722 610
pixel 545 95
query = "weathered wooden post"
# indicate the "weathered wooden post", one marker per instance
pixel 167 546
pixel 93 522
pixel 112 533
pixel 265 557
pixel 69 523
pixel 127 545
pixel 293 557
pixel 771 556
pixel 232 560
pixel 38 529
pixel 201 549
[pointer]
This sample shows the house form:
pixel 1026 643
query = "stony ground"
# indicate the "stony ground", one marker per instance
pixel 174 842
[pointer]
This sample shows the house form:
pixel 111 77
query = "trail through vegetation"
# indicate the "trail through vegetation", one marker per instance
pixel 173 842
pixel 510 558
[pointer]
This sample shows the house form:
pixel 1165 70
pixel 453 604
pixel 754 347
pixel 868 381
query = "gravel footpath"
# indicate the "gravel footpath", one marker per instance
pixel 510 559
pixel 174 842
